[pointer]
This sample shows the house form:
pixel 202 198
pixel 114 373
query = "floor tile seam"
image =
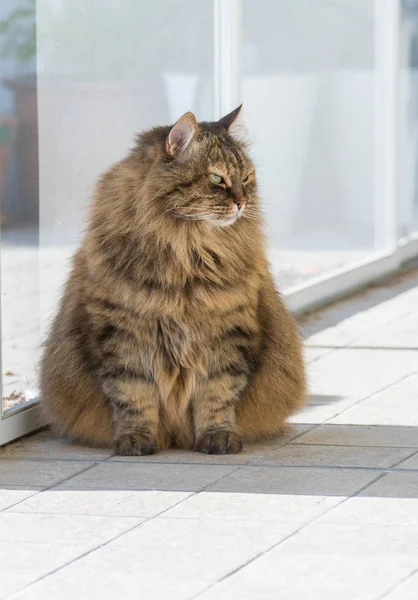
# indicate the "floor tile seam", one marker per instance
pixel 71 561
pixel 311 427
pixel 6 508
pixel 367 397
pixel 347 498
pixel 359 445
pixel 287 443
pixel 57 459
pixel 403 460
pixel 205 487
pixel 45 489
pixel 397 585
pixel 66 479
pixel 350 347
pixel 335 467
pixel 249 561
pixel 272 547
pixel 249 463
pixel 373 328
pixel 266 551
pixel 331 349
pixel 252 465
pixel 86 514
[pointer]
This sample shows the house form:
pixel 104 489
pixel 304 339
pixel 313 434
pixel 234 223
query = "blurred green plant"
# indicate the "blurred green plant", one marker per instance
pixel 18 33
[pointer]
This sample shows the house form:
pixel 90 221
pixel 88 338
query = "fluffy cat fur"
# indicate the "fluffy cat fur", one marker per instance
pixel 170 331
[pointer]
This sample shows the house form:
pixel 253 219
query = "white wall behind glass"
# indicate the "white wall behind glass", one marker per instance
pixel 308 91
pixel 108 69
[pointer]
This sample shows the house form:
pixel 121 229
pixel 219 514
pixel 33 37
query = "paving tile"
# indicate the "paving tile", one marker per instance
pixel 334 456
pixel 129 584
pixel 364 414
pixel 47 445
pixel 208 534
pixel 410 463
pixel 249 453
pixel 361 435
pixel 316 414
pixel 331 561
pixel 375 511
pixel 62 529
pixel 145 476
pixel 356 539
pixel 401 332
pixel 407 590
pixel 39 473
pixel 403 393
pixel 13 582
pixel 253 507
pixel 308 576
pixel 139 503
pixel 129 572
pixel 36 558
pixel 352 323
pixel 312 354
pixel 14 495
pixel 305 481
pixel 23 563
pixel 397 484
pixel 356 374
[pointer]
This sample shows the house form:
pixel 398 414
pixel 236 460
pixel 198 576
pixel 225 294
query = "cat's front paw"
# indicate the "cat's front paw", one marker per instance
pixel 134 444
pixel 219 442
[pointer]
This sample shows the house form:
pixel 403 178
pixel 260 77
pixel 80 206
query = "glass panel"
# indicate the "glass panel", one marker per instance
pixel 19 197
pixel 308 92
pixel 408 151
pixel 102 74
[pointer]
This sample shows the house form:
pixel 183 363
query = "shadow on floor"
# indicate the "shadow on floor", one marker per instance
pixel 325 460
pixel 374 295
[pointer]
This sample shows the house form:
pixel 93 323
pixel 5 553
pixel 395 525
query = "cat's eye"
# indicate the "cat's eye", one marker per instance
pixel 246 180
pixel 215 178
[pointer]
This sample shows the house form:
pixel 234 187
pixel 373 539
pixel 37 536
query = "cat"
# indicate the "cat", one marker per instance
pixel 170 331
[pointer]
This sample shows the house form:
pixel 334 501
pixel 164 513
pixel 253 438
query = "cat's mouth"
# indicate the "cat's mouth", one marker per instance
pixel 216 218
pixel 230 218
pixel 224 222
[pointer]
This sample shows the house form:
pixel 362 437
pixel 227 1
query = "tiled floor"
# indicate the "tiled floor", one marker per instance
pixel 327 512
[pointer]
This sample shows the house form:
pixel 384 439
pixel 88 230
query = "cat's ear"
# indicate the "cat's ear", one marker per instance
pixel 227 121
pixel 181 134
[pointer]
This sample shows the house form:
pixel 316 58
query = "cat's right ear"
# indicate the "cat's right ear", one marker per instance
pixel 181 134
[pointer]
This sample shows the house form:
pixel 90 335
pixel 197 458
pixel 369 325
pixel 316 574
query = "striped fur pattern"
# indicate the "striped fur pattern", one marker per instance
pixel 170 331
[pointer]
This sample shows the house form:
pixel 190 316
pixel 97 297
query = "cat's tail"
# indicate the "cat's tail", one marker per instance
pixel 74 406
pixel 274 395
pixel 278 388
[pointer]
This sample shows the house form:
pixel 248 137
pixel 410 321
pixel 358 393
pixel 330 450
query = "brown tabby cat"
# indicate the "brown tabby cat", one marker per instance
pixel 170 331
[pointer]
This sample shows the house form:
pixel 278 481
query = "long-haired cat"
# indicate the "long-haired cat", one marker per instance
pixel 170 331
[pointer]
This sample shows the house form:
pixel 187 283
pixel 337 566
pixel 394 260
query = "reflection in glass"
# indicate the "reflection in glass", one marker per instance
pixel 100 75
pixel 19 195
pixel 308 92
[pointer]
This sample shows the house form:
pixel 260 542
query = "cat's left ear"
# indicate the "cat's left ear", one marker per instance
pixel 230 118
pixel 181 134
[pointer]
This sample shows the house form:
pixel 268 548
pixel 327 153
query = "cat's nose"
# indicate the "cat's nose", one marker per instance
pixel 239 202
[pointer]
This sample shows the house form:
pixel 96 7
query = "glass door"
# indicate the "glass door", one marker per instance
pixel 329 100
pixel 78 79
pixel 19 192
pixel 408 125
